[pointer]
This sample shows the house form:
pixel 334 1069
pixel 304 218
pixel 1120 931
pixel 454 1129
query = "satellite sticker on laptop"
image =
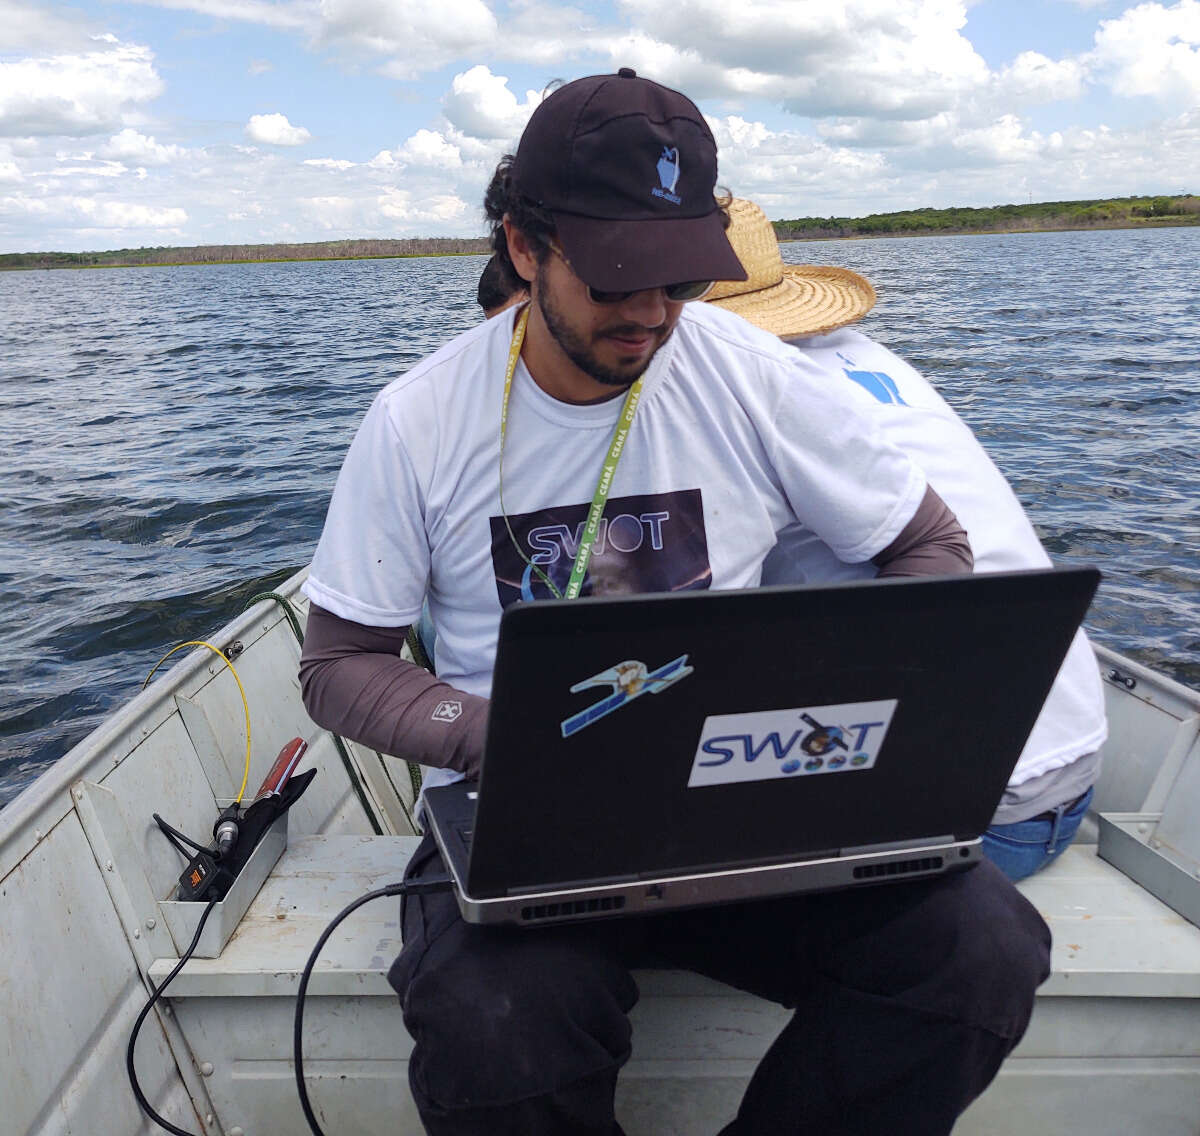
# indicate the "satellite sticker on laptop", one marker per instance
pixel 627 681
pixel 800 742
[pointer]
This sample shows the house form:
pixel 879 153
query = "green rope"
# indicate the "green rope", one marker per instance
pixel 288 610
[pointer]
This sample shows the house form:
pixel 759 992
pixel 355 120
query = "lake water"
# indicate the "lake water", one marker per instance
pixel 171 436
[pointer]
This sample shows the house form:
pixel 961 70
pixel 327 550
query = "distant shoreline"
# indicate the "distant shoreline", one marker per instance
pixel 1172 223
pixel 220 263
pixel 1008 220
pixel 1032 217
pixel 785 239
pixel 279 252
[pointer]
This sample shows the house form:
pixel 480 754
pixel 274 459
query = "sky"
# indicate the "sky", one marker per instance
pixel 128 123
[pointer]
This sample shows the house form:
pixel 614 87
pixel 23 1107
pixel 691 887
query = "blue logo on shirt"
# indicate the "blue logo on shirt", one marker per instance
pixel 876 383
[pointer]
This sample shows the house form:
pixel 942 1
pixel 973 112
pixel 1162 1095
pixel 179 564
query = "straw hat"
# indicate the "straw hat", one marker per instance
pixel 787 300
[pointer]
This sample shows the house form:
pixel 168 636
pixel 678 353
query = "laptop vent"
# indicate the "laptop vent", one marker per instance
pixel 571 909
pixel 898 868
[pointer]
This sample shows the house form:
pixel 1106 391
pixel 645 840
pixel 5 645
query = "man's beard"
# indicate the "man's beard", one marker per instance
pixel 579 351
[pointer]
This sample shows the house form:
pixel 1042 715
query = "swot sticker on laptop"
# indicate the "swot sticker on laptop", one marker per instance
pixel 627 681
pixel 801 742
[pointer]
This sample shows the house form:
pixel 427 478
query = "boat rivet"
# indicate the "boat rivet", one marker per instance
pixel 206 1069
pixel 236 1131
pixel 137 932
pixel 150 924
pixel 108 865
pixel 166 1010
pixel 37 834
pixel 1196 873
pixel 1155 842
pixel 79 794
pixel 209 1118
pixel 1143 828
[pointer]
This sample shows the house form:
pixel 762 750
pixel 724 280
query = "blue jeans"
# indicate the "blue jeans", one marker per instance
pixel 1027 846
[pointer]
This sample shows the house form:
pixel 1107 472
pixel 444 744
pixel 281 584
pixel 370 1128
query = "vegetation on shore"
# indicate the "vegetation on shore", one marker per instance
pixel 1111 213
pixel 247 254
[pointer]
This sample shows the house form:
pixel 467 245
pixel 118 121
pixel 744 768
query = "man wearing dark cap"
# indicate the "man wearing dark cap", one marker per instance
pixel 693 438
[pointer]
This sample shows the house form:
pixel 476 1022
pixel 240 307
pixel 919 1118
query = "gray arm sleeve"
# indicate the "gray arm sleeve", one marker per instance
pixel 933 543
pixel 354 683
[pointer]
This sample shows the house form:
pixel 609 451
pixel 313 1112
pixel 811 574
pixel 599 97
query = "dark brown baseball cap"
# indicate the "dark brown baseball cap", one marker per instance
pixel 628 169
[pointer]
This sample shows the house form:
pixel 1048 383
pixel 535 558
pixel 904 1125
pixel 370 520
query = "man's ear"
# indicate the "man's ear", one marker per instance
pixel 520 251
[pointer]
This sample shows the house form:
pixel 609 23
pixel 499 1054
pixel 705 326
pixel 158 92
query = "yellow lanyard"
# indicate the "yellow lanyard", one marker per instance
pixel 607 471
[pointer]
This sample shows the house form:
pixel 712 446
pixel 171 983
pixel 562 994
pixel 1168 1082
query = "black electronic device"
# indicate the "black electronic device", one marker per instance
pixel 212 870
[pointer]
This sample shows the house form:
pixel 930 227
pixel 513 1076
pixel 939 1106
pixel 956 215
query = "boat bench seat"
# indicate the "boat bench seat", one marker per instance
pixel 1116 1025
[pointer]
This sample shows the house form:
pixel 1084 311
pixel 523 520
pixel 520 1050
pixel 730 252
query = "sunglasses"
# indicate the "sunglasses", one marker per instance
pixel 677 293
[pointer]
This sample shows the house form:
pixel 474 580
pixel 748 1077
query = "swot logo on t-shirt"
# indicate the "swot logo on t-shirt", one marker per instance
pixel 652 542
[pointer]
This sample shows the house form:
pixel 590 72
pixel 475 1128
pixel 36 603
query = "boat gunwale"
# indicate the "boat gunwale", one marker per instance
pixel 1169 695
pixel 34 812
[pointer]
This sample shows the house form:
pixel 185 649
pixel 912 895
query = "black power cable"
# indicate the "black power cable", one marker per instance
pixel 407 887
pixel 133 1081
pixel 175 836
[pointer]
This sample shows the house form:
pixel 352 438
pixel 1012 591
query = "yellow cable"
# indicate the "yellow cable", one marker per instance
pixel 241 691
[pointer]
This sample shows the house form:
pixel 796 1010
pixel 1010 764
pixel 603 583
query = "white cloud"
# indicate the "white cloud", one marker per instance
pixel 1032 77
pixel 131 146
pixel 9 171
pixel 35 28
pixel 90 167
pixel 432 150
pixel 412 209
pixel 76 95
pixel 1152 50
pixel 330 212
pixel 96 212
pixel 763 164
pixel 330 163
pixel 480 105
pixel 275 130
pixel 284 14
pixel 125 215
pixel 384 160
pixel 22 204
pixel 417 37
pixel 905 59
pixel 259 67
pixel 1001 142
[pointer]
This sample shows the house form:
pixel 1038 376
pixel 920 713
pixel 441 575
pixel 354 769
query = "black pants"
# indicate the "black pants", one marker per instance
pixel 907 998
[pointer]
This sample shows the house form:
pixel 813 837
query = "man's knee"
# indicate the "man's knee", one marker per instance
pixel 968 947
pixel 516 1020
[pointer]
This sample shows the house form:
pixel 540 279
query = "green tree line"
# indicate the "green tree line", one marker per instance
pixel 235 254
pixel 1115 212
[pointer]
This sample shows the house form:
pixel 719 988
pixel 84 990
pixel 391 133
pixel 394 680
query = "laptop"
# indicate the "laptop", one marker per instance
pixel 673 750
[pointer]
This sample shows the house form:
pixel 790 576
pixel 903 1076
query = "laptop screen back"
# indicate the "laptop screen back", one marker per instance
pixel 649 735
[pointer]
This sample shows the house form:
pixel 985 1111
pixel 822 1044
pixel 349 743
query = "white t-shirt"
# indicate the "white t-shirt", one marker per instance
pixel 736 437
pixel 918 420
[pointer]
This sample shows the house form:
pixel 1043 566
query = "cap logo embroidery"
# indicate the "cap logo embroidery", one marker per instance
pixel 668 175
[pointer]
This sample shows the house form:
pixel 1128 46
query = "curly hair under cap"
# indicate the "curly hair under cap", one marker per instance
pixel 501 200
